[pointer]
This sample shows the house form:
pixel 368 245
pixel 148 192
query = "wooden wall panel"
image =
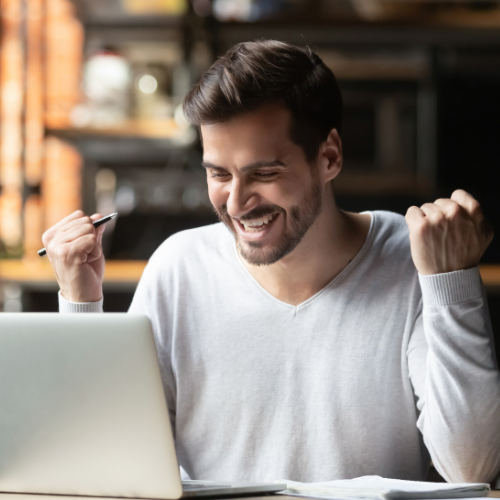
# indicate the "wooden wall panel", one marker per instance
pixel 34 112
pixel 41 45
pixel 11 111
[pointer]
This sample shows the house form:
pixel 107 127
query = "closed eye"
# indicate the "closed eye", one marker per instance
pixel 217 175
pixel 265 175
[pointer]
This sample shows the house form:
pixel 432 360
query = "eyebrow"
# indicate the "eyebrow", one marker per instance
pixel 247 168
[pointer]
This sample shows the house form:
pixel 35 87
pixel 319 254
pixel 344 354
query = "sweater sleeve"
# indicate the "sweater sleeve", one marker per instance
pixel 453 370
pixel 67 307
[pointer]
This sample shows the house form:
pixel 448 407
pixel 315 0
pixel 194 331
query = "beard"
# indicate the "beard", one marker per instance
pixel 301 218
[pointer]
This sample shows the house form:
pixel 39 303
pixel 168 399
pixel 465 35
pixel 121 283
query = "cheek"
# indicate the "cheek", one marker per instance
pixel 217 194
pixel 285 192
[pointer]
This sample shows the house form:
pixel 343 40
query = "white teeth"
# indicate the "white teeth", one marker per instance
pixel 256 224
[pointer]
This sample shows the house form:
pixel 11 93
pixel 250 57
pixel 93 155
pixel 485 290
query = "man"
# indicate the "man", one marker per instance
pixel 302 343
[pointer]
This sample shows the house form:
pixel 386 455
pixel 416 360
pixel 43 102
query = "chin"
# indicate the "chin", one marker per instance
pixel 258 254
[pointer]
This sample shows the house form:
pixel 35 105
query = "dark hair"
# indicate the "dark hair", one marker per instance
pixel 252 74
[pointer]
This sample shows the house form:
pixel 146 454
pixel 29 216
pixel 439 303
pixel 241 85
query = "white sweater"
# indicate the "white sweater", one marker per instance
pixel 351 382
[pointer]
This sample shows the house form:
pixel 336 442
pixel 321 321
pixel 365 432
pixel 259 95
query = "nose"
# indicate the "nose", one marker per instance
pixel 241 198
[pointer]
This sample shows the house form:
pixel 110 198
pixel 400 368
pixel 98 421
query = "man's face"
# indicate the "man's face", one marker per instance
pixel 260 183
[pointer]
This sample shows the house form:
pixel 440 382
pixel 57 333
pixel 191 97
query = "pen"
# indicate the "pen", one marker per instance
pixel 96 223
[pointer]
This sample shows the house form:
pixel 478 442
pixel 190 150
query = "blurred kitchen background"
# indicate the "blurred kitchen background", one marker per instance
pixel 90 117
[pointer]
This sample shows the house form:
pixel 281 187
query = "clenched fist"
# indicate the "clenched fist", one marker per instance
pixel 448 235
pixel 74 248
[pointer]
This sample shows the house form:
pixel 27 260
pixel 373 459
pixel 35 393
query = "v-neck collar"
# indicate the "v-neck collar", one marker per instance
pixel 359 256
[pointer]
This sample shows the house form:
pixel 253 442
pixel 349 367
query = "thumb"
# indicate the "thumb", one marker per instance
pixel 96 216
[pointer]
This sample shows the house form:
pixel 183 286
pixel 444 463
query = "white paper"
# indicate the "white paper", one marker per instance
pixel 377 487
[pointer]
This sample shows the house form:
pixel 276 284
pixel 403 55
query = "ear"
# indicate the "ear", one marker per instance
pixel 330 157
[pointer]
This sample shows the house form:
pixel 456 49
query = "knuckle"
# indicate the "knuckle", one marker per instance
pixel 49 233
pixel 409 213
pixel 475 208
pixel 45 238
pixel 454 210
pixel 85 219
pixel 460 192
pixel 439 218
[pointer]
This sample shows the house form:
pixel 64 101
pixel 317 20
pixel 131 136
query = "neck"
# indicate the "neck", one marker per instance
pixel 327 248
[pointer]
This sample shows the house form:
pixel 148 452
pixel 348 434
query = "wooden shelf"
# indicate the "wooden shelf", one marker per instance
pixel 148 129
pixel 133 141
pixel 126 13
pixel 328 33
pixel 491 275
pixel 32 272
pixel 39 273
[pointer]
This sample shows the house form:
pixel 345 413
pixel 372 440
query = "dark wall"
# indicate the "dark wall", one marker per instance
pixel 469 144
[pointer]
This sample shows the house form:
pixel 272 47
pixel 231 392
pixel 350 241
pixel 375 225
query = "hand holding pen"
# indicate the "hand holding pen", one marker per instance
pixel 74 248
pixel 96 224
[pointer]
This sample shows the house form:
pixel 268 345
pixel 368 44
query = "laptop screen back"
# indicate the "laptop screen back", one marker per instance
pixel 82 407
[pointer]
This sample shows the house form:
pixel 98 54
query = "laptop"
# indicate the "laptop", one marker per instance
pixel 83 411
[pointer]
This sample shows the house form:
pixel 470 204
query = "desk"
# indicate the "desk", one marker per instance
pixel 20 496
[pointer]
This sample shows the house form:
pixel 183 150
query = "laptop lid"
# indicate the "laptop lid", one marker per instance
pixel 82 407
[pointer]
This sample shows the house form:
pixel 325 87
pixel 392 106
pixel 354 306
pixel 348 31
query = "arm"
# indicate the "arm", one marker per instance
pixel 451 355
pixel 74 248
pixel 455 378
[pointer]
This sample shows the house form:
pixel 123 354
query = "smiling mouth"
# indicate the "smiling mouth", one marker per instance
pixel 256 225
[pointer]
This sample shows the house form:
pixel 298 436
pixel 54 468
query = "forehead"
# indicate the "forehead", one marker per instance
pixel 257 135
